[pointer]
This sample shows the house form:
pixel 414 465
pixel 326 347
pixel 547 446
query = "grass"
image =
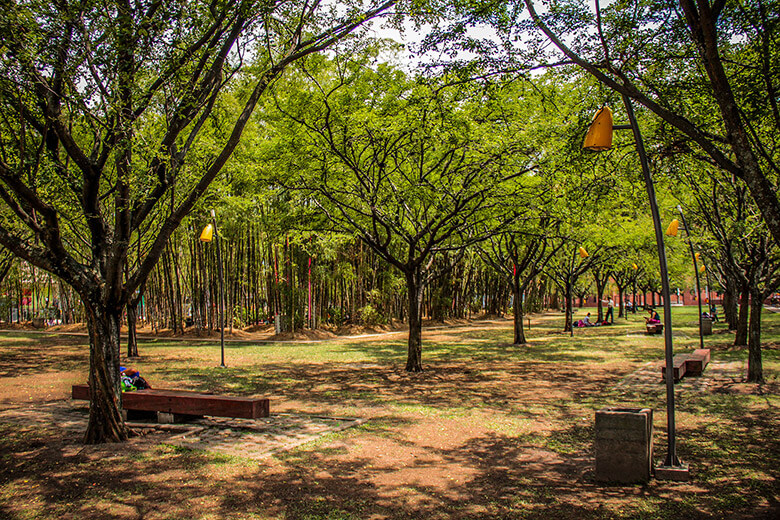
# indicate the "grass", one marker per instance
pixel 489 430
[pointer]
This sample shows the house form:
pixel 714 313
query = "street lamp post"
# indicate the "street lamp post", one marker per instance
pixel 599 138
pixel 209 233
pixel 695 269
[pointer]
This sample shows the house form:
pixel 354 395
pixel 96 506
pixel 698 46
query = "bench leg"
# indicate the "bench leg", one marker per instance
pixel 139 415
pixel 175 418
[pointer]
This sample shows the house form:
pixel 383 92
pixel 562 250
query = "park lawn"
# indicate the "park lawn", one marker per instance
pixel 488 430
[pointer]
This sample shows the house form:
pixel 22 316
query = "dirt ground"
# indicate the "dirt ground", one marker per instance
pixel 465 439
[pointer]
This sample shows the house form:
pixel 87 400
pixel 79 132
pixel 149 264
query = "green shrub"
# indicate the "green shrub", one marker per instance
pixel 370 316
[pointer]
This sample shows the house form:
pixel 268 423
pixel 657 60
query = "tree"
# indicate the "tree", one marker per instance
pixel 131 308
pixel 725 53
pixel 602 272
pixel 746 252
pixel 408 167
pixel 566 268
pixel 103 154
pixel 519 257
pixel 708 70
pixel 624 275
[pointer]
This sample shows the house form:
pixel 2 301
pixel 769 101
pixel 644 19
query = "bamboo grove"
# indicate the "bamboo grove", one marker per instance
pixel 341 281
pixel 263 278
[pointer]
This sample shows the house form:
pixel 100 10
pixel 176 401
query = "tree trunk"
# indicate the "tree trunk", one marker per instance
pixel 132 337
pixel 567 326
pixel 67 309
pixel 105 419
pixel 414 291
pixel 755 368
pixel 730 305
pixel 600 286
pixel 517 311
pixel 132 322
pixel 742 321
pixel 178 300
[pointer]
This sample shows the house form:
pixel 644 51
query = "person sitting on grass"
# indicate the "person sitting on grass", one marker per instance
pixel 654 318
pixel 586 321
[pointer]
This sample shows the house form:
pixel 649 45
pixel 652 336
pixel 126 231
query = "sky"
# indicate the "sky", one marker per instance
pixel 411 38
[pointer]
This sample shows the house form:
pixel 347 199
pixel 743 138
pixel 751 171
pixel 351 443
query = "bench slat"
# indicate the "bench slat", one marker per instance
pixel 186 403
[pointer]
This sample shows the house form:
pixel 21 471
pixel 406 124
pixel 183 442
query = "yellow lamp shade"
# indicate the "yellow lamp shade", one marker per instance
pixel 702 268
pixel 672 229
pixel 599 136
pixel 207 234
pixel 583 253
pixel 636 267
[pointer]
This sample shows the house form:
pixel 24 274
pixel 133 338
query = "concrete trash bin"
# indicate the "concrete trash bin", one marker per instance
pixel 706 326
pixel 624 445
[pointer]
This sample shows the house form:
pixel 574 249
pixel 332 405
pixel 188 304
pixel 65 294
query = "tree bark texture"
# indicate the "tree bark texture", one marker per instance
pixel 414 353
pixel 755 366
pixel 741 337
pixel 517 310
pixel 105 420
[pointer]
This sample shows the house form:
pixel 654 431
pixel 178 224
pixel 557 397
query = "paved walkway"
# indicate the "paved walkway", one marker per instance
pixel 249 438
pixel 648 378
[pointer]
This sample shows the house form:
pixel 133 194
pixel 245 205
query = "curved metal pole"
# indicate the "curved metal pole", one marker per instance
pixel 671 455
pixel 696 270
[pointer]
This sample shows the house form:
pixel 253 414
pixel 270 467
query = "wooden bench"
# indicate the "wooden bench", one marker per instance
pixel 692 364
pixel 179 406
pixel 697 361
pixel 656 328
pixel 679 367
